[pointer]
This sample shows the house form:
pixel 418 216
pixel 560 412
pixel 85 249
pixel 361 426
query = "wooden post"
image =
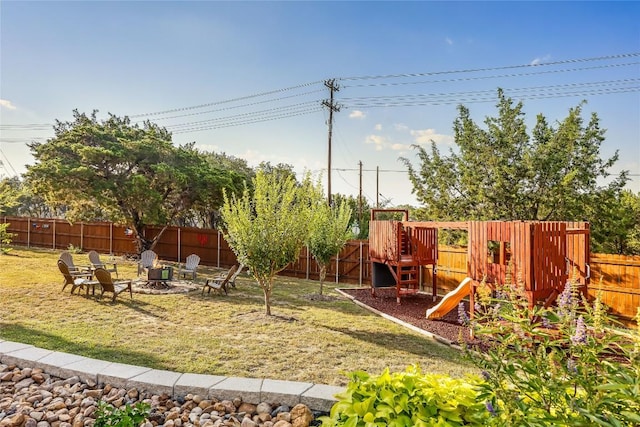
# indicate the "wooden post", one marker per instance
pixel 179 245
pixel 29 232
pixel 218 248
pixel 111 238
pixel 360 265
pixel 53 231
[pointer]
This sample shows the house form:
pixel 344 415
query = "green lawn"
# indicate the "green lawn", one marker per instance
pixel 305 340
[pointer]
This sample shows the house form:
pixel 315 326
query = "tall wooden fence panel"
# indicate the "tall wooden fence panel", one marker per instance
pixel 618 279
pixel 616 276
pixel 450 271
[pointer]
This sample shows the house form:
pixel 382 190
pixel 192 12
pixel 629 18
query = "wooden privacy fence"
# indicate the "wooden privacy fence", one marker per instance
pixel 617 276
pixel 175 244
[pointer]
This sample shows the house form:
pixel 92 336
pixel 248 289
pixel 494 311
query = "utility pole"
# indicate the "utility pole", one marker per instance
pixel 360 197
pixel 333 87
pixel 377 188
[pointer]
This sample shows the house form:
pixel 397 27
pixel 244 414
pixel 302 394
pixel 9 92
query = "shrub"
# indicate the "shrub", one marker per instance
pixel 5 238
pixel 127 416
pixel 555 366
pixel 408 398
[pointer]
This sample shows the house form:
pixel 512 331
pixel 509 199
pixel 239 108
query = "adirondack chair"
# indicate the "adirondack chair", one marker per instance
pixel 68 260
pixel 190 267
pixel 219 283
pixel 232 281
pixel 76 279
pixel 108 285
pixel 94 259
pixel 147 260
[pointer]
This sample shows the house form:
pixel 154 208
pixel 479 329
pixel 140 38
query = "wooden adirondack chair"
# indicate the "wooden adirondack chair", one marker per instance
pixel 147 260
pixel 94 259
pixel 76 279
pixel 68 260
pixel 108 285
pixel 190 267
pixel 219 283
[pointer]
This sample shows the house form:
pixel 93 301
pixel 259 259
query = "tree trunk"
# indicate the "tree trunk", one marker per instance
pixel 267 300
pixel 323 275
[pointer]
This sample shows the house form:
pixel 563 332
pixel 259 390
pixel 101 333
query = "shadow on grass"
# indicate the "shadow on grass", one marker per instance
pixel 134 304
pixel 420 346
pixel 35 337
pixel 285 295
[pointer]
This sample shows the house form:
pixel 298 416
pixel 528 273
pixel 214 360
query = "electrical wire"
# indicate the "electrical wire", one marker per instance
pixel 498 76
pixel 475 70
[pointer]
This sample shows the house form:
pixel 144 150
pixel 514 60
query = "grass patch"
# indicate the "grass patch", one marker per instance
pixel 307 339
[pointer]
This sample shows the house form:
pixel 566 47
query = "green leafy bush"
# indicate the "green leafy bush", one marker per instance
pixel 407 398
pixel 5 238
pixel 561 366
pixel 74 249
pixel 127 416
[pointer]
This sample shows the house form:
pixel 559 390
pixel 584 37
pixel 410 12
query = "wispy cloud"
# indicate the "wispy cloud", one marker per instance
pixel 379 141
pixel 539 60
pixel 448 41
pixel 400 147
pixel 378 127
pixel 383 143
pixel 357 114
pixel 4 103
pixel 425 136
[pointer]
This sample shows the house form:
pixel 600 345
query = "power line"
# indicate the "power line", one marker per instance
pixel 238 106
pixel 246 122
pixel 475 70
pixel 498 76
pixel 300 107
pixel 241 98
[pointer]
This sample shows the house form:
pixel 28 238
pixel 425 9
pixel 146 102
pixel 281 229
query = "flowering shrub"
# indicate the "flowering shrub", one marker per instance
pixel 555 366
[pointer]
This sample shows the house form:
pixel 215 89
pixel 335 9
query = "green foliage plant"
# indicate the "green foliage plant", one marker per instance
pixel 267 229
pixel 126 416
pixel 328 231
pixel 560 366
pixel 74 249
pixel 116 170
pixel 5 238
pixel 406 399
pixel 501 170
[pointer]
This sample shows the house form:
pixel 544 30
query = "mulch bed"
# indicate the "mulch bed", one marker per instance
pixel 412 310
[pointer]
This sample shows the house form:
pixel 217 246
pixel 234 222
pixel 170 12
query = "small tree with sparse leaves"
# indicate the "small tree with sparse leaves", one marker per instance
pixel 267 230
pixel 328 231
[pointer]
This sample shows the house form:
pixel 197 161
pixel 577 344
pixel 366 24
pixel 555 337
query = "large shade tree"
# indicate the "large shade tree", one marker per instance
pixel 502 172
pixel 120 171
pixel 266 229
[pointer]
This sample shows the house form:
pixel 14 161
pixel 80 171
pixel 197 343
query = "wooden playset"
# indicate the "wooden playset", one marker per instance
pixel 540 255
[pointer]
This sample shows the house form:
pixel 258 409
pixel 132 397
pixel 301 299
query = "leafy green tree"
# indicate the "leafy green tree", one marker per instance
pixel 361 221
pixel 617 223
pixel 268 228
pixel 500 172
pixel 281 170
pixel 119 171
pixel 10 193
pixel 328 230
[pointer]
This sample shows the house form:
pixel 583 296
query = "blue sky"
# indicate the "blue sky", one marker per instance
pixel 257 69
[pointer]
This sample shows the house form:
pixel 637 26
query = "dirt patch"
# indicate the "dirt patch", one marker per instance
pixel 412 310
pixel 318 297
